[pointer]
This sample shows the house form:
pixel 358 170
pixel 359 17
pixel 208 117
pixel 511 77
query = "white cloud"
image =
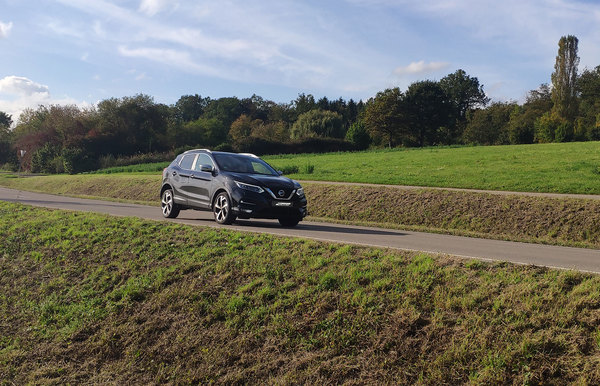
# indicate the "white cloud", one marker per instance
pixel 152 7
pixel 21 86
pixel 421 68
pixel 5 29
pixel 18 93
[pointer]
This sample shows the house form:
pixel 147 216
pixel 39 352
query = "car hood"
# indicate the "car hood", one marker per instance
pixel 271 182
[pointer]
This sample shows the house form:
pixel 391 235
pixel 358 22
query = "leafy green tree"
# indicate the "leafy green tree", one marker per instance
pixel 318 123
pixel 203 132
pixel 303 104
pixel 588 123
pixel 190 107
pixel 551 127
pixel 383 115
pixel 130 125
pixel 489 126
pixel 465 93
pixel 358 135
pixel 564 78
pixel 226 110
pixel 277 131
pixel 7 154
pixel 242 127
pixel 428 112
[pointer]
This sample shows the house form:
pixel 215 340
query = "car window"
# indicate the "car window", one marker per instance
pixel 260 168
pixel 187 161
pixel 243 164
pixel 203 159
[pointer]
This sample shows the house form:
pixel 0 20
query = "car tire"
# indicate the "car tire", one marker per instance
pixel 222 209
pixel 289 222
pixel 167 203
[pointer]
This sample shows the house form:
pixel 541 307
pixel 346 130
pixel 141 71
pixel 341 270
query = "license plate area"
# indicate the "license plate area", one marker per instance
pixel 282 203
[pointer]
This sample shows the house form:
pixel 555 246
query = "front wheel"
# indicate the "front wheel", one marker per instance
pixel 289 222
pixel 222 209
pixel 169 208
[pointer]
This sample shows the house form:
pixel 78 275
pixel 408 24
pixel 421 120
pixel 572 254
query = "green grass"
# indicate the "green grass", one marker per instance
pixel 88 298
pixel 148 168
pixel 556 167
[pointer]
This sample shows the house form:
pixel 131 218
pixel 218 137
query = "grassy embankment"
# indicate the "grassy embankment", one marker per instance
pixel 574 222
pixel 96 299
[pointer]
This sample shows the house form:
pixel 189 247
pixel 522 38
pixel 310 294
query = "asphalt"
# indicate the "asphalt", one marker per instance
pixel 587 260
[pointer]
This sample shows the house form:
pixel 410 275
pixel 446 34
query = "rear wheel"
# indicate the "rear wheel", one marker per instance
pixel 222 209
pixel 169 208
pixel 289 222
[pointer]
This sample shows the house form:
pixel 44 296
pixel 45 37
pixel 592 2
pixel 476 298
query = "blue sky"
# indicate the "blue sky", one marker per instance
pixel 83 51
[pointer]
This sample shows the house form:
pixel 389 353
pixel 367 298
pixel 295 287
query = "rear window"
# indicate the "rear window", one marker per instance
pixel 187 161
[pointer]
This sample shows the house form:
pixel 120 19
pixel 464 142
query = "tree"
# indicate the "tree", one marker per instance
pixel 190 107
pixel 304 103
pixel 429 111
pixel 588 122
pixel 383 114
pixel 318 123
pixel 489 126
pixel 358 135
pixel 5 120
pixel 6 151
pixel 564 78
pixel 465 93
pixel 242 127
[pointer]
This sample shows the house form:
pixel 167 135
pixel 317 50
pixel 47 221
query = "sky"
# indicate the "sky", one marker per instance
pixel 84 51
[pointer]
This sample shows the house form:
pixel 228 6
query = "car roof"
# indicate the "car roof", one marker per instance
pixel 218 152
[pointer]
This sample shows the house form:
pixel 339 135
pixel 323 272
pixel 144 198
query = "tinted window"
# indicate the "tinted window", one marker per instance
pixel 203 159
pixel 243 164
pixel 187 161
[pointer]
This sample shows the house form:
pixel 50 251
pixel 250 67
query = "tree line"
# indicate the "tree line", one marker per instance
pixel 453 110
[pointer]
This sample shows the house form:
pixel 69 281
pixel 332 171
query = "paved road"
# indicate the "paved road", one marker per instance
pixel 520 253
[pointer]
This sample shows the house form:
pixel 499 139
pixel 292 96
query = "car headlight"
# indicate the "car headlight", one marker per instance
pixel 252 188
pixel 300 192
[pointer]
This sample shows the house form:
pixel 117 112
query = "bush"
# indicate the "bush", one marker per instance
pixel 44 159
pixel 76 161
pixel 359 136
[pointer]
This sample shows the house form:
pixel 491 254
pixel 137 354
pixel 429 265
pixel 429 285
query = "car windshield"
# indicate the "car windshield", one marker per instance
pixel 239 163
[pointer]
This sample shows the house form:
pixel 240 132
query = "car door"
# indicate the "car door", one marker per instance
pixel 181 179
pixel 201 181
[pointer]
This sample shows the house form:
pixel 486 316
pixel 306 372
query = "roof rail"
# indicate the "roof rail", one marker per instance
pixel 188 151
pixel 249 155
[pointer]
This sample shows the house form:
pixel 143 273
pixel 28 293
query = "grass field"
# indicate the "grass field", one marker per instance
pixel 556 167
pixel 95 299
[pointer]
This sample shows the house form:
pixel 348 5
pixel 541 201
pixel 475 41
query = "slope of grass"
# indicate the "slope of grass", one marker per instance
pixel 93 299
pixel 573 222
pixel 551 168
pixel 556 167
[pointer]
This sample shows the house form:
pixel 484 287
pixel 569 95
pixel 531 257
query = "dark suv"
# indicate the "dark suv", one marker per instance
pixel 232 186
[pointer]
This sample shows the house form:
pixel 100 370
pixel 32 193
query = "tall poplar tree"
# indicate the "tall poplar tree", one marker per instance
pixel 564 78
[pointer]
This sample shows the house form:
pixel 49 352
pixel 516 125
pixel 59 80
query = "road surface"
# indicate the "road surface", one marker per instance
pixel 587 260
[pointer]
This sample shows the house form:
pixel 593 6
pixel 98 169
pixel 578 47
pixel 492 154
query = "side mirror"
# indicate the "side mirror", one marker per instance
pixel 207 168
pixel 280 172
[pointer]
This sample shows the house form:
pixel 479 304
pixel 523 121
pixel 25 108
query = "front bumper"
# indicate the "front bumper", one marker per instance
pixel 248 204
